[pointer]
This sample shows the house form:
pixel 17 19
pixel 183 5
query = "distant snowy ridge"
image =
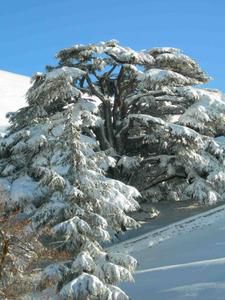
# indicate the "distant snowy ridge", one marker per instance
pixel 157 236
pixel 13 88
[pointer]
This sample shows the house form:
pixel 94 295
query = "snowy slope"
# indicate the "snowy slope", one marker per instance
pixel 180 264
pixel 13 88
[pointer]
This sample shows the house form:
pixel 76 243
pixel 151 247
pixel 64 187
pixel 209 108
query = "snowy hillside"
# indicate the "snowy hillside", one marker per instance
pixel 13 88
pixel 173 265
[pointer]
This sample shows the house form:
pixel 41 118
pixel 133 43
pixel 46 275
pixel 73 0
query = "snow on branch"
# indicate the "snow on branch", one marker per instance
pixel 157 78
pixel 85 286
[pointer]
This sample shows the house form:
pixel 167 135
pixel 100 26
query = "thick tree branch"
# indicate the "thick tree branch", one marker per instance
pixel 166 178
pixel 94 90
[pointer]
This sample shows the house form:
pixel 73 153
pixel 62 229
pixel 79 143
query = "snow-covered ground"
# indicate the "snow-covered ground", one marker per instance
pixel 13 88
pixel 185 260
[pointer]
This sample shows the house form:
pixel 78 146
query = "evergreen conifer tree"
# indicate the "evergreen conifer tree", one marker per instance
pixel 56 172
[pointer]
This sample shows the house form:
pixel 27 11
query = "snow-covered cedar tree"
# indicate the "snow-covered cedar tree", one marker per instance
pixel 106 114
pixel 159 122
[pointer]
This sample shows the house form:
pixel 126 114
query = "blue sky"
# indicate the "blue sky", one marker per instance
pixel 32 31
